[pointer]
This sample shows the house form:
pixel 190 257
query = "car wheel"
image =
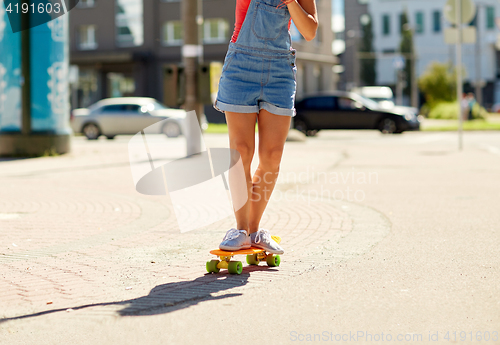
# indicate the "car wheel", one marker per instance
pixel 388 126
pixel 91 131
pixel 301 126
pixel 312 132
pixel 171 129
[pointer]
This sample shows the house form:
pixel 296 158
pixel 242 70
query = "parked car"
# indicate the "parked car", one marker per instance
pixel 127 115
pixel 384 97
pixel 348 110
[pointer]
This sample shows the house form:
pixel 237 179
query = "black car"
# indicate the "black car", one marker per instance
pixel 347 110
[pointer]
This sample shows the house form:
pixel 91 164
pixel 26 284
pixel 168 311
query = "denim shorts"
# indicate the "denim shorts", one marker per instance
pixel 252 80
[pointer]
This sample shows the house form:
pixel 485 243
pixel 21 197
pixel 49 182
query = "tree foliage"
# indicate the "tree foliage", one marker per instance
pixel 438 83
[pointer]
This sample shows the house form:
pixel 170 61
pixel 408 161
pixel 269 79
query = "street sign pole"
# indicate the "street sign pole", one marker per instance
pixel 459 72
pixel 460 12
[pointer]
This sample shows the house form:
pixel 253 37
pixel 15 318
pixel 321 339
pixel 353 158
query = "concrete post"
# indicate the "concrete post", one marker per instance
pixel 191 52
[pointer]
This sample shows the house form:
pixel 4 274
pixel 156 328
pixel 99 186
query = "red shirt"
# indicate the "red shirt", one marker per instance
pixel 241 13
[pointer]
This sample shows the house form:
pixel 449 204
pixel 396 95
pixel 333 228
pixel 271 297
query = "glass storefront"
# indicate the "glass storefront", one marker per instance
pixel 119 85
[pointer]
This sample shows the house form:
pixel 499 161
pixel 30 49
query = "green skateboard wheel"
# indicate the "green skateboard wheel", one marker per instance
pixel 273 260
pixel 252 259
pixel 235 267
pixel 212 266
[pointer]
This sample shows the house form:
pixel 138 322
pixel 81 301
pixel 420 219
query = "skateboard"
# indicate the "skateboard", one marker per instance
pixel 254 257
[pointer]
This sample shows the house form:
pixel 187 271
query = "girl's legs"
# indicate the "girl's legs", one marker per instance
pixel 241 128
pixel 273 130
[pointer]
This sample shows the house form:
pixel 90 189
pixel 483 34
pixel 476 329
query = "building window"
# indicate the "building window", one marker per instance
pixel 129 23
pixel 386 25
pixel 419 22
pixel 474 21
pixel 215 31
pixel 436 21
pixel 86 37
pixel 490 17
pixel 86 3
pixel 172 33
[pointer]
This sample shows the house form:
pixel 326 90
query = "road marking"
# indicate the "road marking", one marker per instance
pixel 430 138
pixel 491 149
pixel 7 216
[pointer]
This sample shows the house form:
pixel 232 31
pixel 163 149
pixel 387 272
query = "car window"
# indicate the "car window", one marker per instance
pixel 121 108
pixel 131 108
pixel 370 104
pixel 320 103
pixel 112 108
pixel 346 103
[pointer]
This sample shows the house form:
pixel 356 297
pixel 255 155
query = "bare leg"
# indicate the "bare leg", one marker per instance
pixel 273 130
pixel 241 129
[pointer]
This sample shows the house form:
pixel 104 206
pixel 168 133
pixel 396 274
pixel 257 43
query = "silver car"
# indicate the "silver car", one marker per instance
pixel 128 115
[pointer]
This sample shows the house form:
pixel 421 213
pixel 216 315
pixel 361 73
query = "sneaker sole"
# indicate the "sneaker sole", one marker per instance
pixel 233 249
pixel 269 250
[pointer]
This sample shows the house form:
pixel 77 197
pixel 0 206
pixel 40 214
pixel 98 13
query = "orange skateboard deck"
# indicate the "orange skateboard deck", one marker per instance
pixel 254 257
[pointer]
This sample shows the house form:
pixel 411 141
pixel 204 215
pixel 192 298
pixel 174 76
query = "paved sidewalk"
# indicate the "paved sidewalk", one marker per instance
pixel 75 233
pixel 86 259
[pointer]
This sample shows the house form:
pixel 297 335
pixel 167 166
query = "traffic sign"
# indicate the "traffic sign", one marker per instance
pixel 468 35
pixel 468 11
pixel 398 62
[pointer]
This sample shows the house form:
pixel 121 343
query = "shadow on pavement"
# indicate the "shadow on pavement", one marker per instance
pixel 8 159
pixel 73 168
pixel 168 297
pixel 176 296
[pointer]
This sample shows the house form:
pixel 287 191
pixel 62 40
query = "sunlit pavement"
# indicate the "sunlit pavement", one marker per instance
pixel 383 233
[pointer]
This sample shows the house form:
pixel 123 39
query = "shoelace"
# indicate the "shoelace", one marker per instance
pixel 263 235
pixel 232 234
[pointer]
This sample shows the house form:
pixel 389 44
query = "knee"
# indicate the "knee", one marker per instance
pixel 245 151
pixel 270 158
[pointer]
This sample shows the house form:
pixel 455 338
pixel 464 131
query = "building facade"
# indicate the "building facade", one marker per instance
pixel 354 10
pixel 315 59
pixel 122 46
pixel 480 60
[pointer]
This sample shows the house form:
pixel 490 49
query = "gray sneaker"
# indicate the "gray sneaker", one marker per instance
pixel 262 239
pixel 235 240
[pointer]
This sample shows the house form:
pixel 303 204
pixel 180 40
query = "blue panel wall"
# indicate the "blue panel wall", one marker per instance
pixel 10 76
pixel 49 77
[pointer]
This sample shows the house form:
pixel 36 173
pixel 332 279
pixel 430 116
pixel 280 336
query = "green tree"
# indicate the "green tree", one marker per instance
pixel 407 49
pixel 368 73
pixel 438 83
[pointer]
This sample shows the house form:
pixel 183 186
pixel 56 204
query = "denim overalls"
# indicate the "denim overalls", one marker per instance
pixel 259 70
